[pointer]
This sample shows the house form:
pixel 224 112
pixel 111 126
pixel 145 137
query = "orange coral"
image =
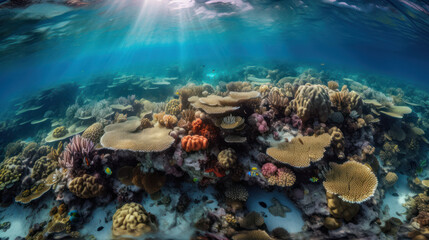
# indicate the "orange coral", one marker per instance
pixel 206 130
pixel 194 143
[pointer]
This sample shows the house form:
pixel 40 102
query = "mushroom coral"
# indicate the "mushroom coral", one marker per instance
pixel 351 181
pixel 85 186
pixel 133 220
pixel 301 151
pixel 123 136
pixel 312 101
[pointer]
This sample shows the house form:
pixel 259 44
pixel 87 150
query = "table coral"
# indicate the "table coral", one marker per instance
pixel 312 101
pixel 85 186
pixel 301 151
pixel 33 193
pixel 194 143
pixel 133 220
pixel 351 181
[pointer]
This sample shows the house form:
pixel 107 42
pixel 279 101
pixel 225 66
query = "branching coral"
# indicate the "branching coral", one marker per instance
pixel 346 101
pixel 351 181
pixel 132 219
pixel 278 99
pixel 312 101
pixel 75 152
pixel 85 186
pixel 301 151
pixel 282 177
pixel 194 143
pixel 165 120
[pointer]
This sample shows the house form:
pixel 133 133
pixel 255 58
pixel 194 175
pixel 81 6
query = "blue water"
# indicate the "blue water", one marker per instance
pixel 45 44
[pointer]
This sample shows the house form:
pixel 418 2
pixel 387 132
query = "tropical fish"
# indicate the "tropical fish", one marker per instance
pixel 74 216
pixel 252 173
pixel 108 171
pixel 195 179
pixel 87 162
pixel 314 179
pixel 254 168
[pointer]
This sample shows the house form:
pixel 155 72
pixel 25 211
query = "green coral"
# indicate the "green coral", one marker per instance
pixel 60 132
pixel 173 107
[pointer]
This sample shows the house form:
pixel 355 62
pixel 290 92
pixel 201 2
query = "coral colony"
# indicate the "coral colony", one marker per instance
pixel 272 156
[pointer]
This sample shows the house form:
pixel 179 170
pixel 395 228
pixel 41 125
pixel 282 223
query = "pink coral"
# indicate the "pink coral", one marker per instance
pixel 78 151
pixel 259 121
pixel 296 121
pixel 268 170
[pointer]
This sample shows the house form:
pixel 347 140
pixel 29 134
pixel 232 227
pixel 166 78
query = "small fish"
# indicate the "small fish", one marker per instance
pixel 299 139
pixel 253 173
pixel 254 168
pixel 210 201
pixel 264 205
pixel 195 179
pixel 100 228
pixel 314 179
pixel 73 213
pixel 108 171
pixel 177 93
pixel 87 162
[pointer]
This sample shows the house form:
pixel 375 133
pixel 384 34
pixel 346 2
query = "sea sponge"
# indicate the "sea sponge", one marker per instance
pixel 390 179
pixel 252 235
pixel 352 181
pixel 252 220
pixel 85 186
pixel 332 223
pixel 43 167
pixel 341 209
pixel 173 107
pixel 227 158
pixel 312 101
pixel 35 192
pixel 301 151
pixel 132 219
pixel 337 141
pixel 94 132
pixel 59 132
pixel 237 192
pixel 194 143
pixel 10 172
pixel 124 136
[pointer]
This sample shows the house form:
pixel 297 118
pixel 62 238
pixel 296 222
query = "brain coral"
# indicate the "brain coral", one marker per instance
pixel 94 132
pixel 59 132
pixel 85 186
pixel 132 219
pixel 312 101
pixel 123 136
pixel 10 172
pixel 301 151
pixel 237 192
pixel 351 181
pixel 173 107
pixel 43 167
pixel 227 158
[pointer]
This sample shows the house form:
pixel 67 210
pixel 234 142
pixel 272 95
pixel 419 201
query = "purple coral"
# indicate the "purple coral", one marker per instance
pixel 259 121
pixel 75 152
pixel 296 121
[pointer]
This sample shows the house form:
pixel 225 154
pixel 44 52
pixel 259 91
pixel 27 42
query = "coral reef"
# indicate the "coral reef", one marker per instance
pixel 312 101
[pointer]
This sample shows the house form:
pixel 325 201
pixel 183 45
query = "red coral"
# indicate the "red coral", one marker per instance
pixel 219 173
pixel 204 129
pixel 194 143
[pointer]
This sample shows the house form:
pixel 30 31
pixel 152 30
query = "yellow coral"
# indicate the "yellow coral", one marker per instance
pixel 10 172
pixel 59 132
pixel 227 158
pixel 35 192
pixel 351 181
pixel 133 220
pixel 94 132
pixel 173 107
pixel 301 151
pixel 312 101
pixel 85 186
